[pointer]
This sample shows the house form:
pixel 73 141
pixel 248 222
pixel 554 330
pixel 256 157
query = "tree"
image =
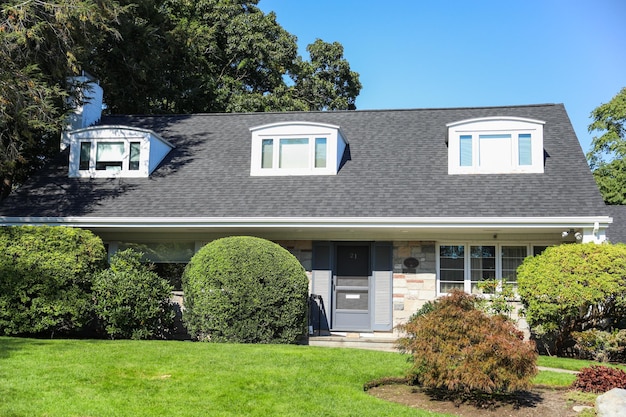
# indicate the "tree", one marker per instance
pixel 177 56
pixel 571 288
pixel 41 43
pixel 457 347
pixel 607 156
pixel 326 82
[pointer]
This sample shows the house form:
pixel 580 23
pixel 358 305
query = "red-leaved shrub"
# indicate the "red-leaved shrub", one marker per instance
pixel 458 347
pixel 599 379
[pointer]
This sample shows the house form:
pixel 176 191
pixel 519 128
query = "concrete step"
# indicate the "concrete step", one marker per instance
pixel 386 344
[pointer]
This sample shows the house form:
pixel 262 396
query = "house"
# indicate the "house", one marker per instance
pixel 617 232
pixel 384 209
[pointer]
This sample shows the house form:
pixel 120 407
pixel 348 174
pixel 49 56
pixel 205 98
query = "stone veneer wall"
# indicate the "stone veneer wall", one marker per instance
pixel 412 286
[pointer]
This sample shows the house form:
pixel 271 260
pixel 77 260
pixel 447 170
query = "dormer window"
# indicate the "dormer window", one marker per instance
pixel 495 145
pixel 114 151
pixel 297 148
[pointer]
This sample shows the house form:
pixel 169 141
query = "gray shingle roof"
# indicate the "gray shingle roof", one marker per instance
pixel 617 230
pixel 397 168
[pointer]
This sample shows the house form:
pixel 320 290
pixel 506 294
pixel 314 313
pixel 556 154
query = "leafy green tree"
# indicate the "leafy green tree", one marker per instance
pixel 131 301
pixel 571 288
pixel 326 82
pixel 45 279
pixel 41 43
pixel 607 156
pixel 177 56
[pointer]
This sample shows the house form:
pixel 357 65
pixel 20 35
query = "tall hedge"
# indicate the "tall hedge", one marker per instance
pixel 571 288
pixel 246 290
pixel 45 279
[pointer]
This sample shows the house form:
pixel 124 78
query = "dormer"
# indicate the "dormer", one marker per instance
pixel 114 152
pixel 296 148
pixel 495 145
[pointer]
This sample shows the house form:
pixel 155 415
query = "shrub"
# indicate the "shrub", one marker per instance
pixel 601 346
pixel 499 295
pixel 245 289
pixel 599 379
pixel 131 301
pixel 45 279
pixel 572 288
pixel 458 347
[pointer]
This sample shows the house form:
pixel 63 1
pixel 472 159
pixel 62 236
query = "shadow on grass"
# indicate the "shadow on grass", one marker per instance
pixel 9 345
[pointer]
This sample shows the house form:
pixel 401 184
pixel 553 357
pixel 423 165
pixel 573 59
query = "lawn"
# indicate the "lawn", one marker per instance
pixel 155 378
pixel 166 378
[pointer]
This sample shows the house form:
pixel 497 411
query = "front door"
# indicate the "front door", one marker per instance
pixel 351 297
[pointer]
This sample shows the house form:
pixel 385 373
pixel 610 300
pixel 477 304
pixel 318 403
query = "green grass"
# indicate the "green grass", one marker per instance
pixel 554 379
pixel 165 378
pixel 155 378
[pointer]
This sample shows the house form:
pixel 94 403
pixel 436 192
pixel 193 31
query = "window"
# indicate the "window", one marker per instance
pixel 512 257
pixel 482 265
pixel 109 156
pixel 464 266
pixel 495 145
pixel 294 153
pixel 524 149
pixel 466 150
pixel 320 152
pixel 85 155
pixel 135 153
pixel 267 160
pixel 451 267
pixel 298 148
pixel 114 151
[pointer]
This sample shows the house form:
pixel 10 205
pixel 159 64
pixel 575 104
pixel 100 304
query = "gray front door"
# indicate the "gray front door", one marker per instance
pixel 351 287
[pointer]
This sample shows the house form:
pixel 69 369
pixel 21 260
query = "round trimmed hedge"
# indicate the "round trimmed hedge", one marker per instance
pixel 246 290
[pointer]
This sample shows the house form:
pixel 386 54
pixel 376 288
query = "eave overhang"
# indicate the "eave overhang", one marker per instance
pixel 340 228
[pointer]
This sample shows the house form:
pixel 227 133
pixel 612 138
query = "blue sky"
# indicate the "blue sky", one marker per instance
pixel 416 54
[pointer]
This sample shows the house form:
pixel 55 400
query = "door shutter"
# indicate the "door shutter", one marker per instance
pixel 382 286
pixel 321 283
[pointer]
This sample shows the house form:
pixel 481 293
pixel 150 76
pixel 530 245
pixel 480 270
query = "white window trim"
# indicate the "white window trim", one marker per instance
pixel 103 134
pixel 467 282
pixel 335 146
pixel 513 126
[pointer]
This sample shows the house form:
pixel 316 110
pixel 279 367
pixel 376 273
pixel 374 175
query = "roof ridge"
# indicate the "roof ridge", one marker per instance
pixel 418 109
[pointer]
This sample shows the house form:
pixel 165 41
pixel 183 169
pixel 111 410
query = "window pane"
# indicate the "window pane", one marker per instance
pixel 294 153
pixel 448 286
pixel 135 149
pixel 85 150
pixel 495 151
pixel 482 264
pixel 451 267
pixel 466 150
pixel 109 156
pixel 512 257
pixel 524 146
pixel 320 152
pixel 267 153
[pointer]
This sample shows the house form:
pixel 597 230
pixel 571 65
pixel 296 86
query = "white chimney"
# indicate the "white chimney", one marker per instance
pixel 86 99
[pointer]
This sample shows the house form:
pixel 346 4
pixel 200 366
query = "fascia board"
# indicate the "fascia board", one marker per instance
pixel 308 222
